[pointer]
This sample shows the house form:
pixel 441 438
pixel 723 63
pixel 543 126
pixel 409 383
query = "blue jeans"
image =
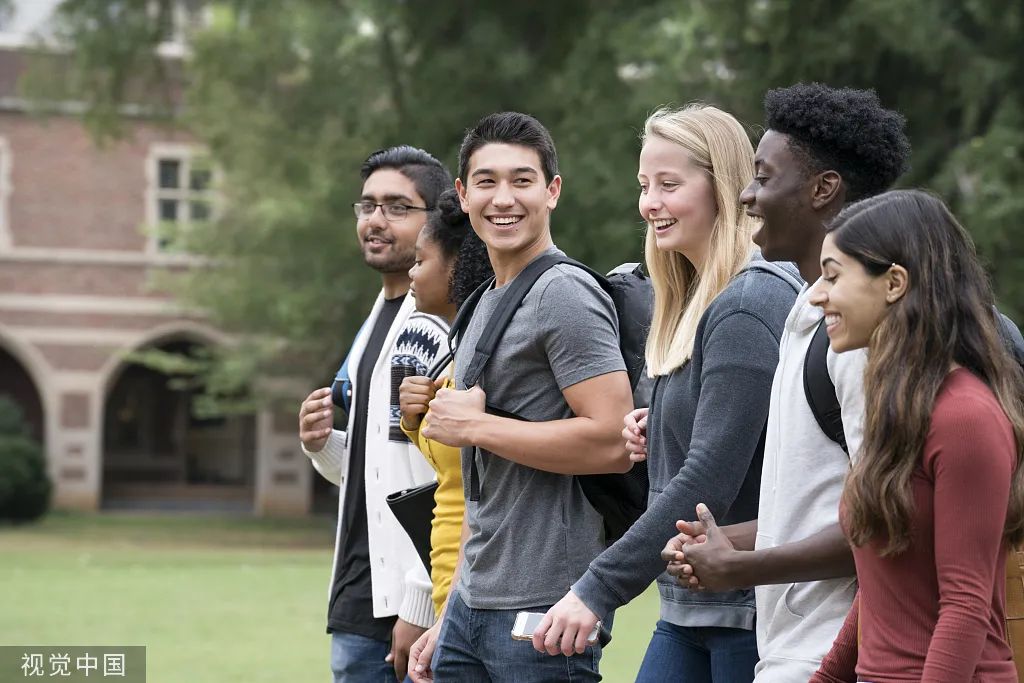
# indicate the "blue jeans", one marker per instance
pixel 358 659
pixel 476 646
pixel 699 654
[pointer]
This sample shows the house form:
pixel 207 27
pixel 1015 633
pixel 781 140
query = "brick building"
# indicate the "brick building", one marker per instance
pixel 78 251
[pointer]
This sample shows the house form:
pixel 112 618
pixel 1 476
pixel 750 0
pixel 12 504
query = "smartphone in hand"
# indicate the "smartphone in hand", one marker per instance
pixel 527 623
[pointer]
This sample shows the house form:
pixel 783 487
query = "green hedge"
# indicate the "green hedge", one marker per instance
pixel 24 485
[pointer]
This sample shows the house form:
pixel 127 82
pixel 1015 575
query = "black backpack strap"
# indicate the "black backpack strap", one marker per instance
pixel 821 391
pixel 474 475
pixel 434 371
pixel 465 312
pixel 507 306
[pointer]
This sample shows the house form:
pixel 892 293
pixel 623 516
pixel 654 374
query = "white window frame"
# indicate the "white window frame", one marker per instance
pixel 184 22
pixel 185 153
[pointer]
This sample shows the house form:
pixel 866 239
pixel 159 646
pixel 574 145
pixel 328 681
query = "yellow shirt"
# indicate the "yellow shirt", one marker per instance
pixel 446 530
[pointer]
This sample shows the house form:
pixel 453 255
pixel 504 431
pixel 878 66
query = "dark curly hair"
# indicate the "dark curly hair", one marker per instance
pixel 844 130
pixel 449 228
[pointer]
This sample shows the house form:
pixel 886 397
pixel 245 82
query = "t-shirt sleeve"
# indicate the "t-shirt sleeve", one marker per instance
pixel 577 327
pixel 969 454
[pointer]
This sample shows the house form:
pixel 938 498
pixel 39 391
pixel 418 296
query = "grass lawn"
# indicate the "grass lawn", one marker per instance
pixel 214 599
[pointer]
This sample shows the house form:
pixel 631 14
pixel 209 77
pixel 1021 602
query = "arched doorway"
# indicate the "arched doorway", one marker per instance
pixel 159 454
pixel 17 385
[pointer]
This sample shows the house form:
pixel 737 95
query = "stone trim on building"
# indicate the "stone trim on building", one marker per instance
pixel 5 194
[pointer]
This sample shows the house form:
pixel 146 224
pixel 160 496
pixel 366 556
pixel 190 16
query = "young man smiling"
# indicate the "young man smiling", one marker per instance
pixel 380 592
pixel 823 148
pixel 532 532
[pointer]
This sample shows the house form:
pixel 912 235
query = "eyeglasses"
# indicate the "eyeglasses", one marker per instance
pixel 392 212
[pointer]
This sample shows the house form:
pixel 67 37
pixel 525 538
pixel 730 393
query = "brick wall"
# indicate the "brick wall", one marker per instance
pixel 73 194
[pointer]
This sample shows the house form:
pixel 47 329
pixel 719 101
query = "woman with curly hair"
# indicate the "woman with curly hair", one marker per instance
pixel 451 262
pixel 937 494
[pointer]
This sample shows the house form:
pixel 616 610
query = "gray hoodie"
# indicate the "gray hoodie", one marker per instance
pixel 705 431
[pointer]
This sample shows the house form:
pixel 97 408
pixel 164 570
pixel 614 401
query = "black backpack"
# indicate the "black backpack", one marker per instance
pixel 619 498
pixel 821 391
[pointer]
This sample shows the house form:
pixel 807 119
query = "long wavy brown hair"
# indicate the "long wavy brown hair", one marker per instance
pixel 946 316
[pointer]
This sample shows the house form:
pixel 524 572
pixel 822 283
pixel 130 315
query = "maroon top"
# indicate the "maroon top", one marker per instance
pixel 935 612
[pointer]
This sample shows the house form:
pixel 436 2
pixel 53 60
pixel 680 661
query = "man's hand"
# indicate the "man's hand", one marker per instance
pixel 674 551
pixel 565 628
pixel 635 434
pixel 421 653
pixel 403 637
pixel 414 396
pixel 454 414
pixel 708 565
pixel 316 419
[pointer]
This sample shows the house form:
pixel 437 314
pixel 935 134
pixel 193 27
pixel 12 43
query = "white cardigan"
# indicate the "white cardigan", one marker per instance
pixel 400 582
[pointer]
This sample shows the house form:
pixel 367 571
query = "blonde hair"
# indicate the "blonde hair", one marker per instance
pixel 717 143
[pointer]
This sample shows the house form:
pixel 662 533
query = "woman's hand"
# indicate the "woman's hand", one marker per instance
pixel 565 628
pixel 414 397
pixel 635 434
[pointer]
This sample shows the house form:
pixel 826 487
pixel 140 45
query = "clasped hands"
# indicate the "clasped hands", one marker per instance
pixel 453 413
pixel 701 556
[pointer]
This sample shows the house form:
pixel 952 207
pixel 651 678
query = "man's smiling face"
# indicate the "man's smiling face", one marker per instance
pixel 507 197
pixel 390 246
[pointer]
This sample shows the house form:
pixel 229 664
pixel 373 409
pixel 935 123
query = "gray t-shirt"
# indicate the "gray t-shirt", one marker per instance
pixel 533 533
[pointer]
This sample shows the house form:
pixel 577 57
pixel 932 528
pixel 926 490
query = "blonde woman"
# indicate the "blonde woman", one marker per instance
pixel 719 311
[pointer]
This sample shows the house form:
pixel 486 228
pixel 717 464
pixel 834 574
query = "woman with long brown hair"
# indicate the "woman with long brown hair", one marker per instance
pixel 936 495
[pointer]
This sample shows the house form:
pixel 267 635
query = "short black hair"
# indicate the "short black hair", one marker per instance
pixel 844 130
pixel 449 228
pixel 511 128
pixel 427 174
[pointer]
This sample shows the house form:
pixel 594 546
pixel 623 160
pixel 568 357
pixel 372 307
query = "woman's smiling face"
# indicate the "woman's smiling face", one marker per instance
pixel 677 199
pixel 854 301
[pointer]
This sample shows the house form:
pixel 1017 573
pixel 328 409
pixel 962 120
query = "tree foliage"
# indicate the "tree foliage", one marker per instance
pixel 24 484
pixel 291 96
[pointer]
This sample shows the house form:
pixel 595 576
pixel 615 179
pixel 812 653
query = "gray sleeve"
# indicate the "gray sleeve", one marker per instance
pixel 1011 337
pixel 578 329
pixel 740 355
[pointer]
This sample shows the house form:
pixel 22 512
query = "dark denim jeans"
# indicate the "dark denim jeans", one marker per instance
pixel 476 646
pixel 699 654
pixel 358 659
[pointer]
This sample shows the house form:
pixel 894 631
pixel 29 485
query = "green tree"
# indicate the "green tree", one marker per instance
pixel 24 484
pixel 290 97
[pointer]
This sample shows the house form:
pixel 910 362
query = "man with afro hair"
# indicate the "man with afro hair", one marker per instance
pixel 823 148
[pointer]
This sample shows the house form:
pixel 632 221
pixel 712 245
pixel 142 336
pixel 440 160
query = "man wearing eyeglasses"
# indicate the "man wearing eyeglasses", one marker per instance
pixel 380 593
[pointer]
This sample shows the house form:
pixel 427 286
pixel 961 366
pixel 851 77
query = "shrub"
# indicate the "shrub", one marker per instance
pixel 24 485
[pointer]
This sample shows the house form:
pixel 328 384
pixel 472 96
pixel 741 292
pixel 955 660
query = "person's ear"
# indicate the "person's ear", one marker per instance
pixel 554 191
pixel 897 281
pixel 827 188
pixel 461 189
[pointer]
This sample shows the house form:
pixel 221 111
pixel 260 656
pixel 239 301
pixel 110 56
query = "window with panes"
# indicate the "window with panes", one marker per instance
pixel 184 195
